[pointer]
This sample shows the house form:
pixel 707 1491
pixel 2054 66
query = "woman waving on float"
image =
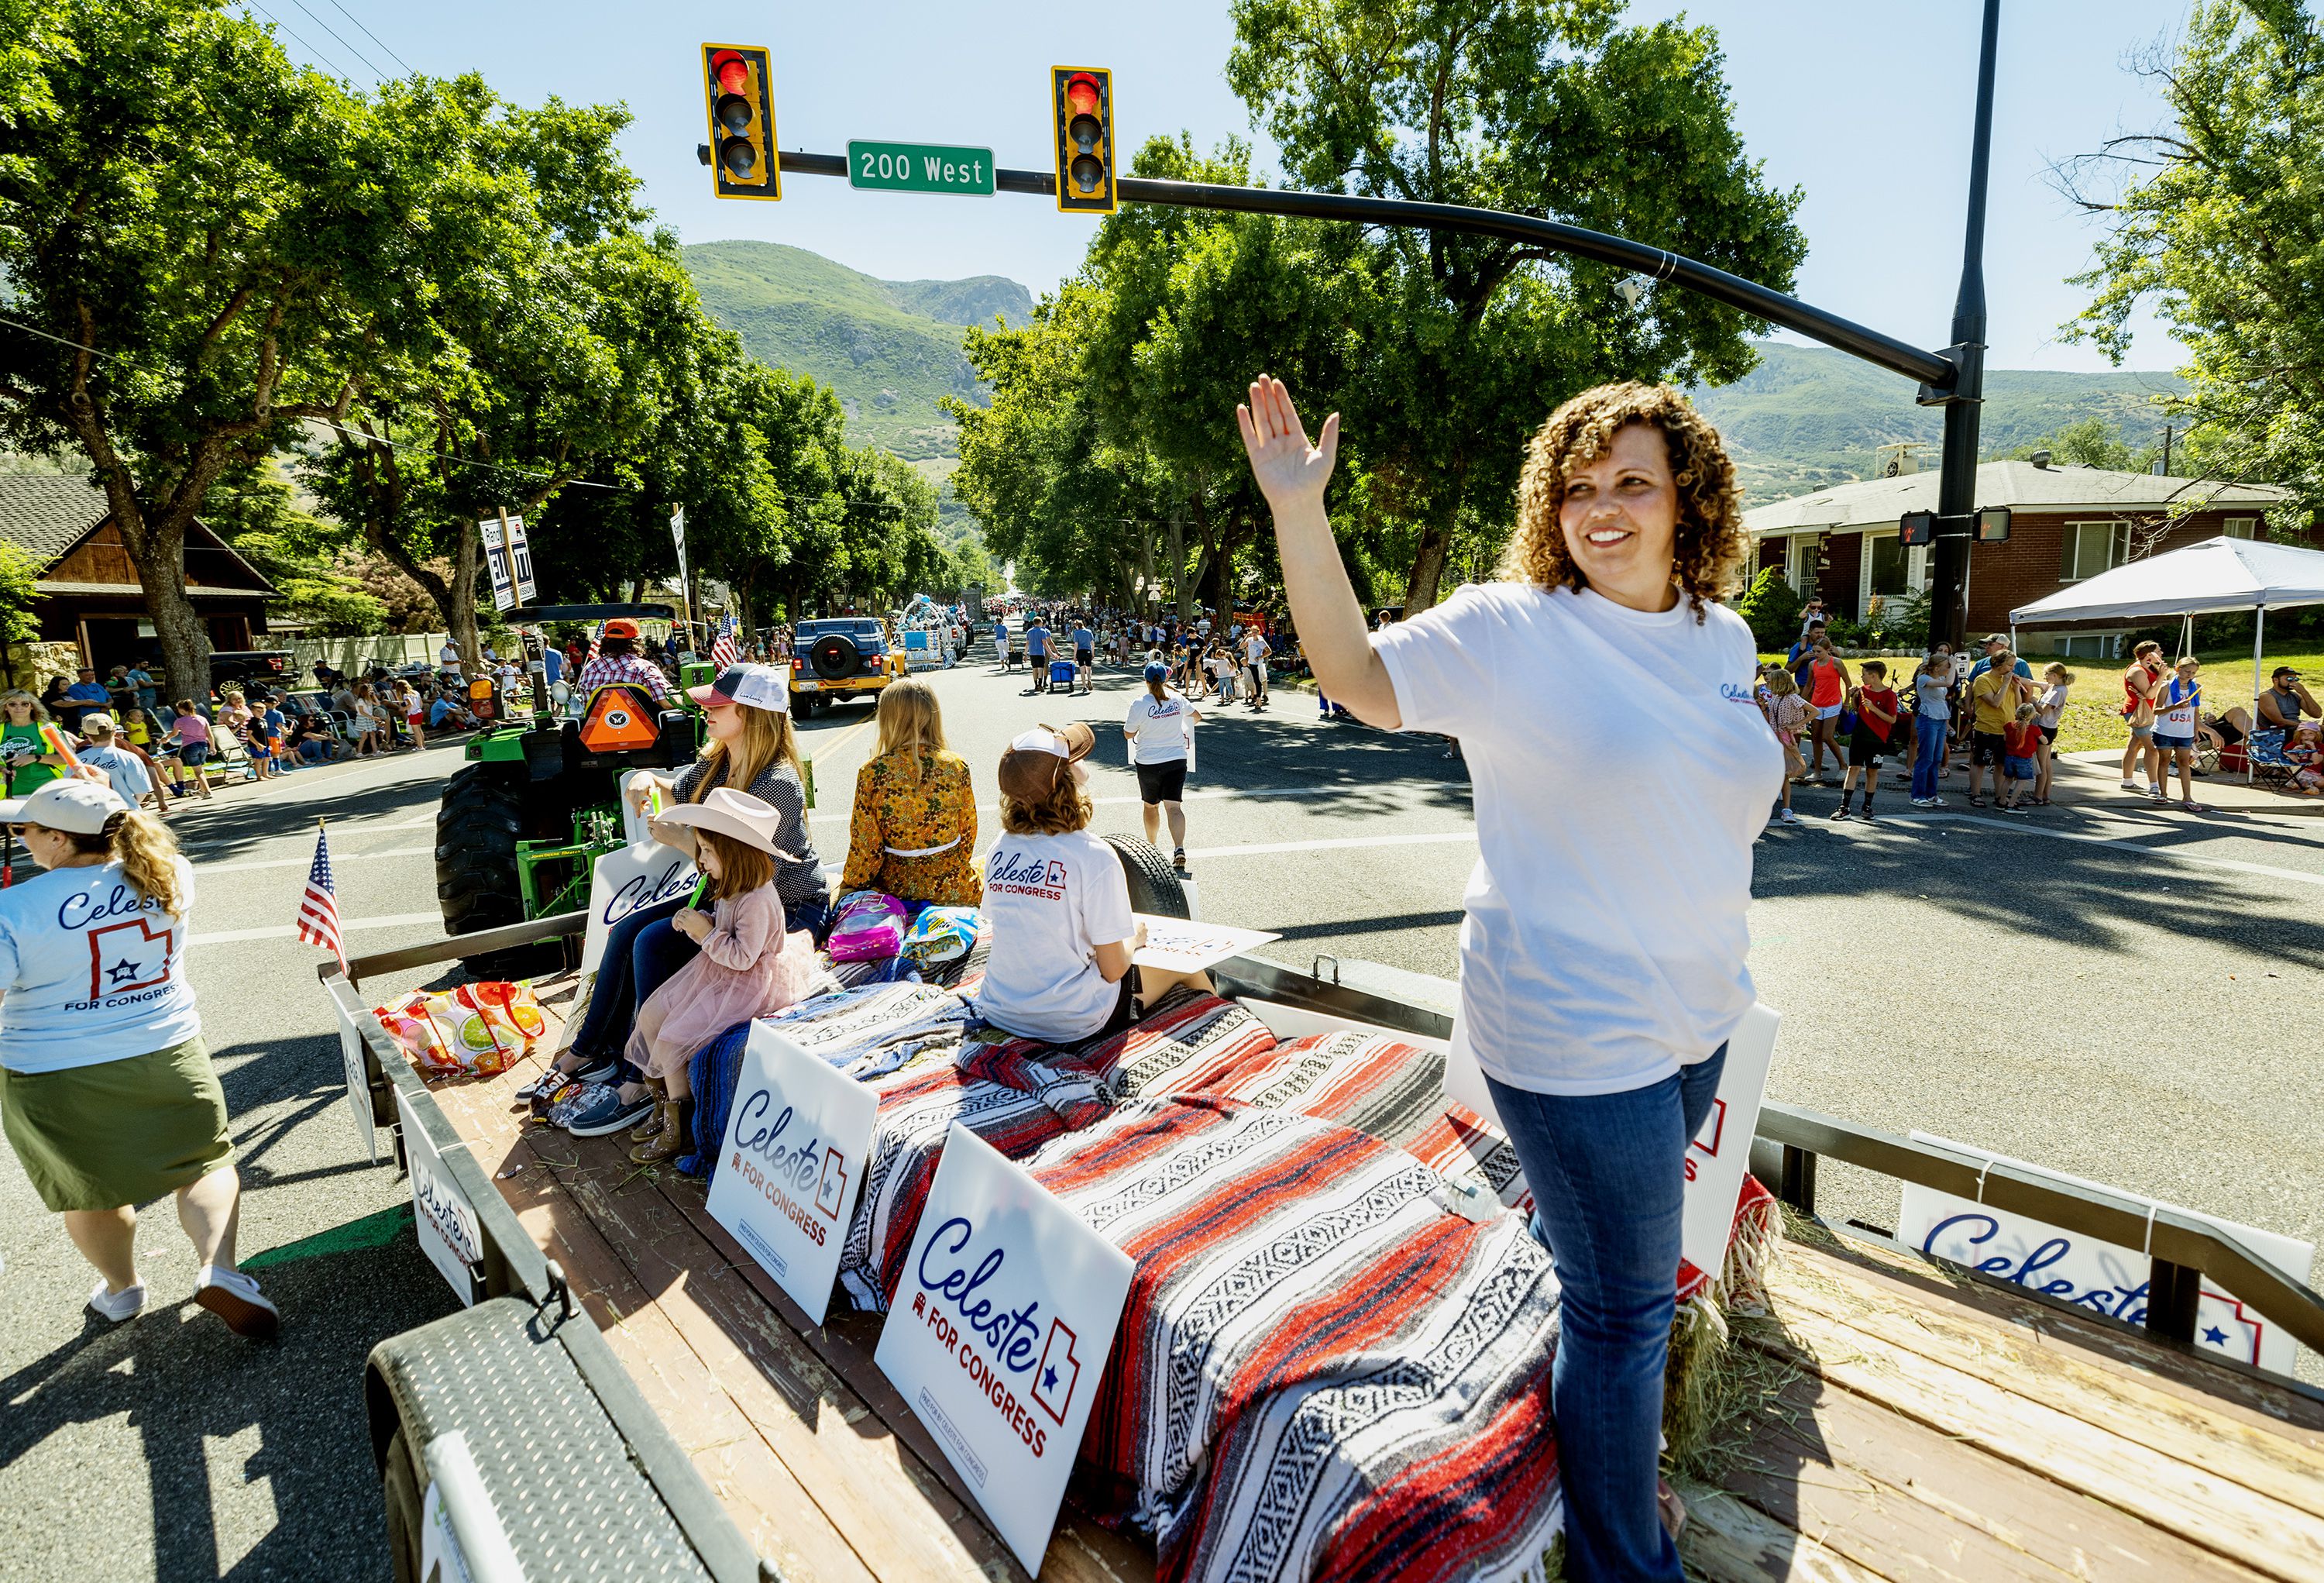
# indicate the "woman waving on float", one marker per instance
pixel 1602 958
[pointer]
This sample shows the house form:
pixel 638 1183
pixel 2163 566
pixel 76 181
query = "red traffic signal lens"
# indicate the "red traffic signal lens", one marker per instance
pixel 1081 93
pixel 1089 172
pixel 734 73
pixel 734 113
pixel 741 160
pixel 1084 131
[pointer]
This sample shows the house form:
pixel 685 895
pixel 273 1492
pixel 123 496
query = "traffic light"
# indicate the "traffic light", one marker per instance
pixel 740 152
pixel 1083 99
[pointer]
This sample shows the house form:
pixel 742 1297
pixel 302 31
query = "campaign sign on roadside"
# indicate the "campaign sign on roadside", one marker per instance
pixel 2101 1276
pixel 1721 1154
pixel 358 1075
pixel 999 1333
pixel 450 1234
pixel 792 1165
pixel 625 879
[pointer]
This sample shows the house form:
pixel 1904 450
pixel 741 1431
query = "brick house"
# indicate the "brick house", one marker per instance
pixel 89 594
pixel 2067 524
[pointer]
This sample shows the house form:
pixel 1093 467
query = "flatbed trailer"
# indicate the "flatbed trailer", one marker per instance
pixel 1889 1417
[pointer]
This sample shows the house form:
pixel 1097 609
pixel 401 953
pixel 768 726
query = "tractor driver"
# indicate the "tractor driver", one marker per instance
pixel 618 661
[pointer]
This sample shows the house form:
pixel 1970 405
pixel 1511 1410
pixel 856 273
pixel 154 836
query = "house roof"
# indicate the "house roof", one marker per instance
pixel 2019 486
pixel 48 514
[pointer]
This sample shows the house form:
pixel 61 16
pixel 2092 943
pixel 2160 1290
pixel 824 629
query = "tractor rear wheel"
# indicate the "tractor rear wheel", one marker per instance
pixel 478 823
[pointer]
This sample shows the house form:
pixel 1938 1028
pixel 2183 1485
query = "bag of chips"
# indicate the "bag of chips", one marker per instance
pixel 942 934
pixel 478 1028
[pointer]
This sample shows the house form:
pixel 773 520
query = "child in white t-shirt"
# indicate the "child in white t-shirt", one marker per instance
pixel 1056 904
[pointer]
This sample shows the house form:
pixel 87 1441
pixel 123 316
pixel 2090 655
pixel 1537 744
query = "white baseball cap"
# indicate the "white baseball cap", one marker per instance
pixel 73 803
pixel 757 686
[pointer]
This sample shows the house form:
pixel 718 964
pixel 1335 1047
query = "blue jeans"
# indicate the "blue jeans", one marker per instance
pixel 642 952
pixel 1929 757
pixel 1608 1174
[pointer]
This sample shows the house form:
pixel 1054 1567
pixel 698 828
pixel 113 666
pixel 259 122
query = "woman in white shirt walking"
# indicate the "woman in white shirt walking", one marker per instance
pixel 1602 958
pixel 1161 732
pixel 106 1092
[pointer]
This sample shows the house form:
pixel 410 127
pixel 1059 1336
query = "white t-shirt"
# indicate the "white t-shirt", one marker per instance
pixel 91 971
pixel 1254 650
pixel 2174 710
pixel 125 772
pixel 1160 729
pixel 448 656
pixel 2053 702
pixel 1050 902
pixel 1622 772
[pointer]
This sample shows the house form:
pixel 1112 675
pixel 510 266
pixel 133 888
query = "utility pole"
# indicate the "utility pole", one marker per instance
pixel 1957 469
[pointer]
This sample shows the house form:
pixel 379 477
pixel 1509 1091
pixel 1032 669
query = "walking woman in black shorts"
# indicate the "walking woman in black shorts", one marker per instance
pixel 1161 732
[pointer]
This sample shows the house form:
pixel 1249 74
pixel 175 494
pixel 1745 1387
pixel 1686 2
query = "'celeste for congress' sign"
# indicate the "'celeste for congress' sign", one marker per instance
pixel 792 1166
pixel 999 1331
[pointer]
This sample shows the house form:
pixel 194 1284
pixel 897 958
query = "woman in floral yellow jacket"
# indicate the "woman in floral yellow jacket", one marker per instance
pixel 914 831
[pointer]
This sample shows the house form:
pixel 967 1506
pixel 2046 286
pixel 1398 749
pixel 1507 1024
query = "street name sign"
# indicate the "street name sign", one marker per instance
pixel 920 167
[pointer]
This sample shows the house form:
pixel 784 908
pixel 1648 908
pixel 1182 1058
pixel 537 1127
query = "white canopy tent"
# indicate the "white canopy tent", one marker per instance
pixel 2213 578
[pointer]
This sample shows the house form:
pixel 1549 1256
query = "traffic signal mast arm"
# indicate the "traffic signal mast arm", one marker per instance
pixel 1933 370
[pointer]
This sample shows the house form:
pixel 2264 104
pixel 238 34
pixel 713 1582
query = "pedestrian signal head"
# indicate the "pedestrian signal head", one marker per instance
pixel 1082 100
pixel 741 153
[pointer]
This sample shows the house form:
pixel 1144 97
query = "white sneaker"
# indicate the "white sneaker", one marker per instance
pixel 235 1298
pixel 117 1306
pixel 1787 818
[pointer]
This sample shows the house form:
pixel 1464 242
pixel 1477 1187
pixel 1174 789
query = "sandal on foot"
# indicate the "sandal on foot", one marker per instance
pixel 1977 801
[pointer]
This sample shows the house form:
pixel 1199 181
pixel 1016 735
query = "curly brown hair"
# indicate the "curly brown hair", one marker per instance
pixel 1063 809
pixel 1712 545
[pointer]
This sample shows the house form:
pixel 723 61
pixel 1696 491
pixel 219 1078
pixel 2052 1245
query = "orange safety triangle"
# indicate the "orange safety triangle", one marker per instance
pixel 615 725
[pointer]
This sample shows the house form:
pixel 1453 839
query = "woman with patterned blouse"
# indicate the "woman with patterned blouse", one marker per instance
pixel 914 831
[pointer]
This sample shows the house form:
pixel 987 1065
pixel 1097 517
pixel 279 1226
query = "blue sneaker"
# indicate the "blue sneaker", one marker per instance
pixel 604 1110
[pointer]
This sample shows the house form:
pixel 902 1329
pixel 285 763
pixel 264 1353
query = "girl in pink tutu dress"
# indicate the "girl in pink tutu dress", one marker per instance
pixel 750 966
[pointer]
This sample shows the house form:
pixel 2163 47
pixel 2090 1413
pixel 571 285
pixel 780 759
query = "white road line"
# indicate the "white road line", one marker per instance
pixel 336 858
pixel 285 932
pixel 1349 843
pixel 836 815
pixel 2119 843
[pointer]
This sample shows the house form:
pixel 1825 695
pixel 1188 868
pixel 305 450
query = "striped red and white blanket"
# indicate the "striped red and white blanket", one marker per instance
pixel 1322 1371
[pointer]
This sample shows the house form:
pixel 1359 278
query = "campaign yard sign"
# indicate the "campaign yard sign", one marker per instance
pixel 450 1234
pixel 640 875
pixel 2101 1276
pixel 792 1166
pixel 1721 1154
pixel 999 1331
pixel 1179 945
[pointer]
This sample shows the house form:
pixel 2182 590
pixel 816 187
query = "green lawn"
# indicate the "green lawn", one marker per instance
pixel 2093 718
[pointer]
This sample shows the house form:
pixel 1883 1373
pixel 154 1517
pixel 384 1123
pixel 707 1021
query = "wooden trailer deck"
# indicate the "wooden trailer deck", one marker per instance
pixel 1894 1422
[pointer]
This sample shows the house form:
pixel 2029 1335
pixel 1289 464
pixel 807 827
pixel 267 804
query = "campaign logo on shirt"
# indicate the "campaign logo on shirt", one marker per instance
pixel 1019 874
pixel 126 958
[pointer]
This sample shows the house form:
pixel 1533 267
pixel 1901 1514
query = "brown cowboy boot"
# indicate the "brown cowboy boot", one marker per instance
pixel 649 1129
pixel 670 1141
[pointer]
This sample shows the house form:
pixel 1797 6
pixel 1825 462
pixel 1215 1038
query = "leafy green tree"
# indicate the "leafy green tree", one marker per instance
pixel 2217 222
pixel 1771 608
pixel 216 229
pixel 1539 106
pixel 251 507
pixel 2092 443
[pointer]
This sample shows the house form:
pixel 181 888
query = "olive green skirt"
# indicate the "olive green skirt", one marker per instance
pixel 121 1131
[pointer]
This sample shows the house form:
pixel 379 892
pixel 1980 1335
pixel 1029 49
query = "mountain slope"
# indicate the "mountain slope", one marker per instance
pixel 889 348
pixel 1809 416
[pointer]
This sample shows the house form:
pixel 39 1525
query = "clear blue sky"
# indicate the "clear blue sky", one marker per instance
pixel 1864 106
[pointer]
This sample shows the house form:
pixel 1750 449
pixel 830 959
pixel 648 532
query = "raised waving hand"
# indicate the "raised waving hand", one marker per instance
pixel 1289 471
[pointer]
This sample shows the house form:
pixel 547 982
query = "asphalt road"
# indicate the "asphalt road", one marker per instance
pixel 2114 992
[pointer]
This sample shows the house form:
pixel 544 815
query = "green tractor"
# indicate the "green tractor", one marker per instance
pixel 522 824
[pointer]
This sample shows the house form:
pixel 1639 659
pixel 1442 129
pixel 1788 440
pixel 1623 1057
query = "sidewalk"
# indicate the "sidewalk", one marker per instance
pixel 2095 776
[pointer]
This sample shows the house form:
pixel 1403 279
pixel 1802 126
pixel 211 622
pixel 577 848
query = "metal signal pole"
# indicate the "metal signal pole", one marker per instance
pixel 1957 471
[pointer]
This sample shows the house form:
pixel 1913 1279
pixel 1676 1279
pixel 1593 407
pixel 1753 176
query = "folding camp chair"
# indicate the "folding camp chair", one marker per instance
pixel 2264 755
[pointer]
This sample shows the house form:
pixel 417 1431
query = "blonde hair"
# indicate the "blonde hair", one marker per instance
pixel 767 737
pixel 2053 669
pixel 17 695
pixel 2026 712
pixel 1782 682
pixel 911 726
pixel 1065 810
pixel 148 855
pixel 1711 543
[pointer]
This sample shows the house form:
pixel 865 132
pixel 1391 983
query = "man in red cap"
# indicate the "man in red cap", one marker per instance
pixel 618 661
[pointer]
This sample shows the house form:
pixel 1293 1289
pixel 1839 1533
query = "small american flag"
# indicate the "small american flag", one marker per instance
pixel 593 643
pixel 319 908
pixel 724 651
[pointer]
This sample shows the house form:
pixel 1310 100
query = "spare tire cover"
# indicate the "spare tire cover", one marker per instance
pixel 835 656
